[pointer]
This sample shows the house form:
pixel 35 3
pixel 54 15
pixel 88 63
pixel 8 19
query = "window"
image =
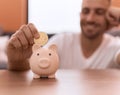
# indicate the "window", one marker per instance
pixel 55 16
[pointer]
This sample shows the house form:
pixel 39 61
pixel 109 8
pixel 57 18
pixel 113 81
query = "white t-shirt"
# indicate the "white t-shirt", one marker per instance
pixel 71 55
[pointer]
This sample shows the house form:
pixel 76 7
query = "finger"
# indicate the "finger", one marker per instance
pixel 15 42
pixel 109 16
pixel 113 17
pixel 27 34
pixel 33 30
pixel 21 37
pixel 113 13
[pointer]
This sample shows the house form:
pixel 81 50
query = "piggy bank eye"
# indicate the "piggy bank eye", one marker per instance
pixel 50 54
pixel 38 54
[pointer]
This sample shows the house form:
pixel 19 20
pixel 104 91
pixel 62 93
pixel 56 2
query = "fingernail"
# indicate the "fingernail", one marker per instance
pixel 37 35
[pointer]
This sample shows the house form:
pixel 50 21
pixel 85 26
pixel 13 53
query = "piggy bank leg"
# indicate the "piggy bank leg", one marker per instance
pixel 51 76
pixel 36 76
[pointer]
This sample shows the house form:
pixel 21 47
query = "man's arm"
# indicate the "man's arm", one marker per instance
pixel 19 48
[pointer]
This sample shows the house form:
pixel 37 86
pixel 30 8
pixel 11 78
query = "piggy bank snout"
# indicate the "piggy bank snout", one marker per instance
pixel 44 63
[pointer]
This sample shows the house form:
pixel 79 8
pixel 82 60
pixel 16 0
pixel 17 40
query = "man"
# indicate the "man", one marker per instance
pixel 89 49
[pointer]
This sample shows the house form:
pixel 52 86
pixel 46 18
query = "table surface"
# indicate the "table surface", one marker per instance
pixel 67 82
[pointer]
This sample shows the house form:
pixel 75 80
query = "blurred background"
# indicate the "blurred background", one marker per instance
pixel 51 16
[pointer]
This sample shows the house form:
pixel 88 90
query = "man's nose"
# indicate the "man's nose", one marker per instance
pixel 91 17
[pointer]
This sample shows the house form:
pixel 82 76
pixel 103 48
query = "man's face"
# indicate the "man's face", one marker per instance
pixel 93 17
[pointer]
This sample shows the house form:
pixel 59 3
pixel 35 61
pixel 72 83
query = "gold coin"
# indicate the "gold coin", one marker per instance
pixel 42 40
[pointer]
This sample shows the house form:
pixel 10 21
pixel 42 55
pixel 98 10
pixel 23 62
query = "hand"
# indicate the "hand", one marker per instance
pixel 113 16
pixel 19 47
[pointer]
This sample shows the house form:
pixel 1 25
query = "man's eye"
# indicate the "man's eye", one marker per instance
pixel 100 12
pixel 85 11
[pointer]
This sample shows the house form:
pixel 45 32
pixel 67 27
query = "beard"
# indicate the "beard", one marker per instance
pixel 91 37
pixel 92 30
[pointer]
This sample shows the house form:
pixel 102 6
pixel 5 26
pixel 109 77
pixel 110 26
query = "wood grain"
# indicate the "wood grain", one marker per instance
pixel 67 82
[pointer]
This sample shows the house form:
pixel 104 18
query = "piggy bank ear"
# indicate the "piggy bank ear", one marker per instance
pixel 36 46
pixel 53 47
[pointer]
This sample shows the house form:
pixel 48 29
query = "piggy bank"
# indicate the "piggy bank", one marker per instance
pixel 44 62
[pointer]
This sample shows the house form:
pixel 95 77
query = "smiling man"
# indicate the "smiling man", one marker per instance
pixel 93 21
pixel 89 49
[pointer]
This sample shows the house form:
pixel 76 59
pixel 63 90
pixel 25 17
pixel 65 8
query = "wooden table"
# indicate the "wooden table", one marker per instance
pixel 67 82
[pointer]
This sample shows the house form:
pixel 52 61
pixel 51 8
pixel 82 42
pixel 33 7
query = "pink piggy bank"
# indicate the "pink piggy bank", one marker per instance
pixel 44 62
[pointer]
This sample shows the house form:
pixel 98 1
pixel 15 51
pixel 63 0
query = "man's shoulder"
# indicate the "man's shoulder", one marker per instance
pixel 64 39
pixel 112 39
pixel 109 36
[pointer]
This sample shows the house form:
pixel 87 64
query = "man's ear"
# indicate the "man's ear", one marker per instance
pixel 36 46
pixel 53 47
